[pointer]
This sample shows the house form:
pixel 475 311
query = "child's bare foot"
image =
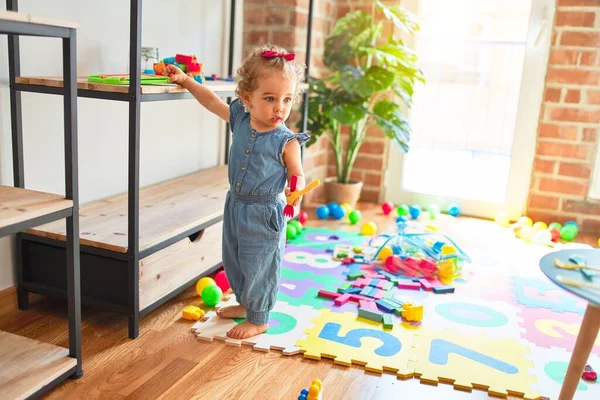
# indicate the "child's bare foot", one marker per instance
pixel 238 311
pixel 246 329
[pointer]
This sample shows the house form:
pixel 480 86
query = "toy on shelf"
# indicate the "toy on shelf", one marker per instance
pixel 187 63
pixel 123 79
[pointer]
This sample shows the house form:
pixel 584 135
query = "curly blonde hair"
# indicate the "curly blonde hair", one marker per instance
pixel 255 66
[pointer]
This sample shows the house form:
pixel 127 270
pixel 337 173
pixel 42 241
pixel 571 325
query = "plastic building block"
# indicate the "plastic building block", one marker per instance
pixel 388 295
pixel 364 304
pixel 387 321
pixel 356 275
pixel 328 295
pixel 366 291
pixel 426 284
pixel 385 306
pixel 341 300
pixel 185 59
pixel 443 289
pixel 388 286
pixel 358 297
pixel 169 60
pixel 352 291
pixel 345 286
pixel 376 316
pixel 374 282
pixel 410 285
pixel 193 313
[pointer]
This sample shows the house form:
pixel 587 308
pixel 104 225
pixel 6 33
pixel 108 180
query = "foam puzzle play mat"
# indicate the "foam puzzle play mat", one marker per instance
pixel 414 303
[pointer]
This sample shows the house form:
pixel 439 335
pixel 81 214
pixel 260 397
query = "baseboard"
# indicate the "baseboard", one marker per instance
pixel 8 300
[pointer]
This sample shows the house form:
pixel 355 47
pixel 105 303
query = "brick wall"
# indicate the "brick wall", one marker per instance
pixel 286 25
pixel 568 129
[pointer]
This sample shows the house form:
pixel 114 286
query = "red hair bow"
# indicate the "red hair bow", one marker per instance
pixel 273 54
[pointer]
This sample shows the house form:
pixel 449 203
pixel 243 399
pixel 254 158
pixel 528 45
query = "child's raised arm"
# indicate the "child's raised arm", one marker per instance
pixel 205 96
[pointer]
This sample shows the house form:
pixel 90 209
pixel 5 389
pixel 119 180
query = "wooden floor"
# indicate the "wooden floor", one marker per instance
pixel 168 362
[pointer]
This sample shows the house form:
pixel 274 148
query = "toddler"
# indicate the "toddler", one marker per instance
pixel 264 155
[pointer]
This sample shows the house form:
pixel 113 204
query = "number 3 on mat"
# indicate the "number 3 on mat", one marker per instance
pixel 440 349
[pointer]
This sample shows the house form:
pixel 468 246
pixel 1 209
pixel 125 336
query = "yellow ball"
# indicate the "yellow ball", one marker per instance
pixel 598 242
pixel 204 282
pixel 368 228
pixel 540 226
pixel 346 207
pixel 384 253
pixel 502 219
pixel 527 233
pixel 525 221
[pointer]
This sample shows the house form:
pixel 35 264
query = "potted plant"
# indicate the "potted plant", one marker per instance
pixel 370 81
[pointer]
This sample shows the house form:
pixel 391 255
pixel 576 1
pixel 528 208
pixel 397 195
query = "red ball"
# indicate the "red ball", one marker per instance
pixel 555 232
pixel 303 217
pixel 221 280
pixel 387 207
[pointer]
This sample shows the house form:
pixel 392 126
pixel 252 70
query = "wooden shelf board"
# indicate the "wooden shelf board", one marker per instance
pixel 166 210
pixel 23 17
pixel 82 83
pixel 28 365
pixel 20 205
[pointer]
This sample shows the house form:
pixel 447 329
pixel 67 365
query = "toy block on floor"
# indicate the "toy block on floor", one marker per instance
pixel 385 306
pixel 328 295
pixel 410 285
pixel 412 312
pixel 352 291
pixel 376 316
pixel 426 284
pixel 443 289
pixel 355 275
pixel 192 313
pixel 387 321
pixel 344 286
pixel 360 282
pixel 366 291
pixel 341 300
pixel 358 297
pixel 374 282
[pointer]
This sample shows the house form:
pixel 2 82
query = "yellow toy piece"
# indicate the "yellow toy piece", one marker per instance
pixel 347 207
pixel 412 312
pixel 384 254
pixel 193 313
pixel 369 228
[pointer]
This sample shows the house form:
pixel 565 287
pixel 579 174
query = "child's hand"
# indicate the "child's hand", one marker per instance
pixel 176 75
pixel 299 199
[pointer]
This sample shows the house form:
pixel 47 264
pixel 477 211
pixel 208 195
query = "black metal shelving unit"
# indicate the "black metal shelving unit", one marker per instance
pixel 43 364
pixel 110 279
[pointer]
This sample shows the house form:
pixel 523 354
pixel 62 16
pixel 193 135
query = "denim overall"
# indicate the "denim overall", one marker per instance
pixel 253 220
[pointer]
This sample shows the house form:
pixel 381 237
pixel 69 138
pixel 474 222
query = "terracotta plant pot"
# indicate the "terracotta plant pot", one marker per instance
pixel 342 192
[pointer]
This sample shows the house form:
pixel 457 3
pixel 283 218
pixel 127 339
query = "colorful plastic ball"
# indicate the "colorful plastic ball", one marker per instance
pixel 502 219
pixel 384 254
pixel 526 233
pixel 354 217
pixel 290 232
pixel 555 233
pixel 296 224
pixel 415 211
pixel 525 221
pixel 433 210
pixel 212 295
pixel 540 226
pixel 387 207
pixel 347 207
pixel 204 282
pixel 222 281
pixel 338 212
pixel 454 210
pixel 332 205
pixel 572 223
pixel 557 225
pixel 303 217
pixel 323 212
pixel 568 232
pixel 369 228
pixel 542 236
pixel 402 210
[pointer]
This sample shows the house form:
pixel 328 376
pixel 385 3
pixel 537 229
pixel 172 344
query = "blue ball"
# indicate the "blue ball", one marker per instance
pixel 338 212
pixel 454 210
pixel 302 397
pixel 414 211
pixel 323 212
pixel 304 392
pixel 572 223
pixel 332 206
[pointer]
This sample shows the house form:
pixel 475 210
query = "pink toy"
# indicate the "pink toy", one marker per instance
pixel 387 207
pixel 222 281
pixel 303 217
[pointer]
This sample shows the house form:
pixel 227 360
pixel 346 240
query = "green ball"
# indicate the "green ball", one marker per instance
pixel 402 210
pixel 290 232
pixel 556 225
pixel 568 232
pixel 212 295
pixel 433 210
pixel 296 224
pixel 354 216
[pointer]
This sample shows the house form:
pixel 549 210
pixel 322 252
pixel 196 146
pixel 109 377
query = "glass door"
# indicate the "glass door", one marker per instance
pixel 475 120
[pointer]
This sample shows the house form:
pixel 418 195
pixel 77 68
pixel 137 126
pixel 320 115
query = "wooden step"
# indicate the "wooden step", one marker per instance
pixel 20 205
pixel 166 209
pixel 28 365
